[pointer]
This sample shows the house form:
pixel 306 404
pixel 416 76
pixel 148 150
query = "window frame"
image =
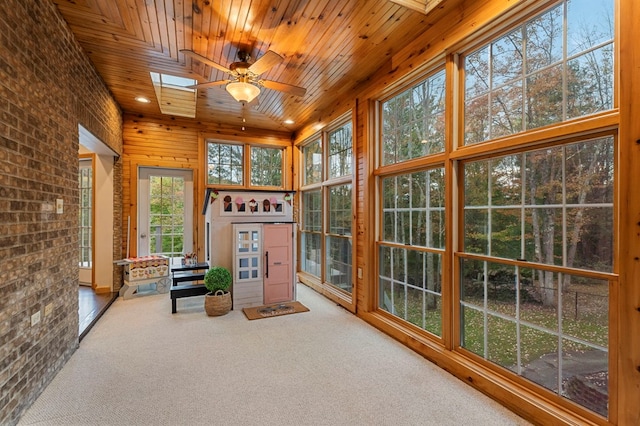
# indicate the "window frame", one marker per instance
pixel 246 164
pixel 324 185
pixel 599 124
pixel 86 163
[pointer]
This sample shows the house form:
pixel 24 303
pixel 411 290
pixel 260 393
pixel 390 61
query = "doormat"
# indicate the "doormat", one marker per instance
pixel 275 310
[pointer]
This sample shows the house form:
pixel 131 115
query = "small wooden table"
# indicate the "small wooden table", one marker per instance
pixel 190 275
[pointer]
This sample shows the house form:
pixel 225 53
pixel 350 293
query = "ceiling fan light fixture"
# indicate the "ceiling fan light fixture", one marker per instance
pixel 243 91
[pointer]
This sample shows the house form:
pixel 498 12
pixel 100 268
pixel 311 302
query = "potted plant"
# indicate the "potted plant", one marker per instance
pixel 218 281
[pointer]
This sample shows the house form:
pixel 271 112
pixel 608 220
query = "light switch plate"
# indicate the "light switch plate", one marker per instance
pixel 59 206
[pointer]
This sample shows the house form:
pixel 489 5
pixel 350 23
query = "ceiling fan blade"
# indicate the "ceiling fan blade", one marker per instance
pixel 204 60
pixel 282 87
pixel 208 84
pixel 265 62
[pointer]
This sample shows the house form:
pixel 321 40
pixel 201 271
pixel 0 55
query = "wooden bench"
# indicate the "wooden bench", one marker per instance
pixel 189 275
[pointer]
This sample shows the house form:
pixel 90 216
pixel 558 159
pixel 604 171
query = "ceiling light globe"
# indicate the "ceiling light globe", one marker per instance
pixel 243 92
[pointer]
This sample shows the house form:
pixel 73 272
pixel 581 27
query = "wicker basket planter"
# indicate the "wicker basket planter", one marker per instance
pixel 217 304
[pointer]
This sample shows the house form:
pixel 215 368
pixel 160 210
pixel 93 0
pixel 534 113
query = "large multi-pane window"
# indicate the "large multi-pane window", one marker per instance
pixel 554 67
pixel 536 256
pixel 411 241
pixel 411 248
pixel 533 221
pixel 311 232
pixel 536 263
pixel 226 165
pixel 85 233
pixel 326 204
pixel 338 236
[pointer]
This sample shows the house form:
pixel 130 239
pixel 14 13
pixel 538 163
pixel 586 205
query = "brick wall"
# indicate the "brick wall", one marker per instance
pixel 47 88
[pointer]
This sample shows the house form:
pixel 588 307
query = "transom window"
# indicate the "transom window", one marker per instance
pixel 340 152
pixel 312 154
pixel 554 67
pixel 413 121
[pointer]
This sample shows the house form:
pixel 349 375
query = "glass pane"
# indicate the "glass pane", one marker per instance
pixel 266 166
pixel 585 309
pixel 502 342
pixel 410 286
pixel 224 163
pixel 504 239
pixel 311 253
pixel 413 121
pixel 472 333
pixel 338 271
pixel 477 73
pixel 544 40
pixel 476 231
pixel 312 210
pixel 587 384
pixel 340 152
pixel 590 82
pixel 539 354
pixel 413 208
pixel 511 317
pixel 506 110
pixel 312 154
pixel 340 210
pixel 589 23
pixel 566 71
pixel 476 119
pixel 544 97
pixel 506 59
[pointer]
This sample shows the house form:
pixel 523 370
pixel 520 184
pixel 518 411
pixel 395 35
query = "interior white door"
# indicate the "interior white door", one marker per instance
pixel 165 212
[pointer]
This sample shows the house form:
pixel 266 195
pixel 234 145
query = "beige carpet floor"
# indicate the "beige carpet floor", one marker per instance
pixel 141 365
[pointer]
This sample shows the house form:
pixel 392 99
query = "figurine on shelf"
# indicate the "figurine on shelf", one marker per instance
pixel 189 259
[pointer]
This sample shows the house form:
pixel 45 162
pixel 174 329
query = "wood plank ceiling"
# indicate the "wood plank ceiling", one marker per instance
pixel 328 46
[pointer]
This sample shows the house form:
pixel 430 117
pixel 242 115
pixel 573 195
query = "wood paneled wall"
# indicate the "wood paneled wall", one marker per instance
pixel 174 143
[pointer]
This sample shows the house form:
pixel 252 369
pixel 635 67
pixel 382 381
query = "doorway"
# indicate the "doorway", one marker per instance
pixel 165 212
pixel 95 230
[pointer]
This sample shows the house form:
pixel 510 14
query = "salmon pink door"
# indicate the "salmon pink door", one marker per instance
pixel 278 261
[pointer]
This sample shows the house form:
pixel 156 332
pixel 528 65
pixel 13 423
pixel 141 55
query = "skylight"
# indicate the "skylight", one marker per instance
pixel 173 97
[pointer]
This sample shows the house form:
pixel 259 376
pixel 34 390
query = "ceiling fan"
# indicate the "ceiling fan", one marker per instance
pixel 245 82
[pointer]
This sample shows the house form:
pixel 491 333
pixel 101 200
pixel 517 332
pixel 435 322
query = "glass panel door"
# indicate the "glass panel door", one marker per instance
pixel 165 212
